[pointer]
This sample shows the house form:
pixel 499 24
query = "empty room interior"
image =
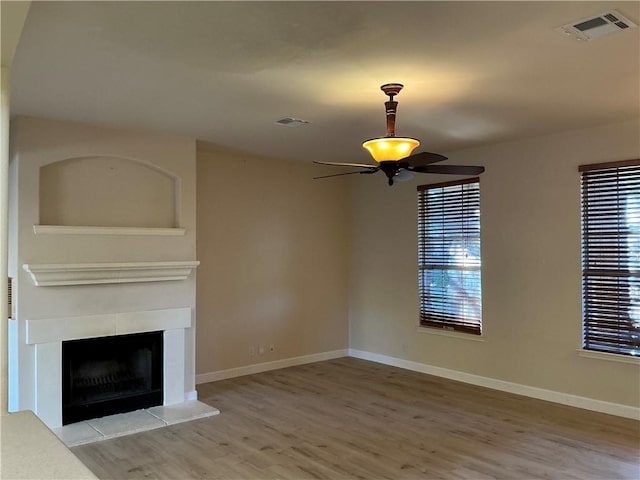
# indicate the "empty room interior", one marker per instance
pixel 302 240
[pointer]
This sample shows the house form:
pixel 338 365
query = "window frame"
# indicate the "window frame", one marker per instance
pixel 604 240
pixel 429 318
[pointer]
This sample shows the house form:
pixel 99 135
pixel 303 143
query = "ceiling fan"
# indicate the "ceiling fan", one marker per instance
pixel 393 155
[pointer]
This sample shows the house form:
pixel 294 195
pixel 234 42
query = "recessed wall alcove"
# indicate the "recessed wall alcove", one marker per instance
pixel 107 191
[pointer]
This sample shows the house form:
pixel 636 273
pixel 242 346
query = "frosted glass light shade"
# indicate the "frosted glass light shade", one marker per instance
pixel 390 148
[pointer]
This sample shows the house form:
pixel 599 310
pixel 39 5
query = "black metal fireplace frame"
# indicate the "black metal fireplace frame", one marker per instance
pixel 75 410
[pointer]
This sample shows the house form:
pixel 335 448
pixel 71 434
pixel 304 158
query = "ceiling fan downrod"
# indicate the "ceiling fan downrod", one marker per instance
pixel 391 106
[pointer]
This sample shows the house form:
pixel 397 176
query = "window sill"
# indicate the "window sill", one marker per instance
pixel 612 357
pixel 446 333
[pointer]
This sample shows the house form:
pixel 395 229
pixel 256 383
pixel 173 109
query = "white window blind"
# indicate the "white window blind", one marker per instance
pixel 449 256
pixel 611 257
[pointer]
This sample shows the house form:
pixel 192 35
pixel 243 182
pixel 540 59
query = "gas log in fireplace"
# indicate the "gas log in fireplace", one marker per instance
pixel 108 375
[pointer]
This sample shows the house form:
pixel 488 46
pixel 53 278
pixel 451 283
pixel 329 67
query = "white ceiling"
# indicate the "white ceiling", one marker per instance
pixel 474 72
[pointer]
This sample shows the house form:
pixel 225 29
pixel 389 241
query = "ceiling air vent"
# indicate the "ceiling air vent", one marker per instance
pixel 292 122
pixel 597 26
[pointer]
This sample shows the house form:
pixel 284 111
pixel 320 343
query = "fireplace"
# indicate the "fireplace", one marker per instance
pixel 109 375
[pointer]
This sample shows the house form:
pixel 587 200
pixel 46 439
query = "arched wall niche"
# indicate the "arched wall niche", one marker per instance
pixel 108 191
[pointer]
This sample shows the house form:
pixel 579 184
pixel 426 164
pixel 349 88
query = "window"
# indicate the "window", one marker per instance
pixel 449 256
pixel 611 257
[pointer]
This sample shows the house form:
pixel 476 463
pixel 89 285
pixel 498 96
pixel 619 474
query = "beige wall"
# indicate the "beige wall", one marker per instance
pixel 273 249
pixel 530 201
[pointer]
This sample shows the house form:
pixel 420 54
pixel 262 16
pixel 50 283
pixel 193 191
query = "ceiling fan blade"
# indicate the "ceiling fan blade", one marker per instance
pixel 449 169
pixel 347 173
pixel 357 165
pixel 423 158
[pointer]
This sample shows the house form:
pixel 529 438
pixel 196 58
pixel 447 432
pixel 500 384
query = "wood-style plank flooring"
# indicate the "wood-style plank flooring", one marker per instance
pixel 349 418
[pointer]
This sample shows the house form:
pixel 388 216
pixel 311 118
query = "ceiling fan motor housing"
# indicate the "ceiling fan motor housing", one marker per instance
pixel 390 169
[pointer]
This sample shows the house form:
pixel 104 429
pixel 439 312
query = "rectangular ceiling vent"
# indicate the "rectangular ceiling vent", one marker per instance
pixel 292 122
pixel 593 27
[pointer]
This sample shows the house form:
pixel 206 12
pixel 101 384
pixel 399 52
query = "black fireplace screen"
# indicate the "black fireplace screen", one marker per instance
pixel 108 375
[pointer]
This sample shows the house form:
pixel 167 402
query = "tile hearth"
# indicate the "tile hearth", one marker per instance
pixel 113 426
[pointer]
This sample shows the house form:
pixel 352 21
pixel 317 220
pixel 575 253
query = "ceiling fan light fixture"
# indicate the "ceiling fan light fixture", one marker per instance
pixel 390 148
pixel 394 155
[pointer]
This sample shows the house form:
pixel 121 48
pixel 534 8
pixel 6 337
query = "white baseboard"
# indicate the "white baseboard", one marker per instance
pixel 518 389
pixel 266 366
pixel 192 395
pixel 510 387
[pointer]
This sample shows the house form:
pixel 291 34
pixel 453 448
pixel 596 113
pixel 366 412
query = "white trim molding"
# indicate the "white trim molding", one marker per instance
pixel 611 357
pixel 267 366
pixel 516 388
pixel 87 230
pixel 47 275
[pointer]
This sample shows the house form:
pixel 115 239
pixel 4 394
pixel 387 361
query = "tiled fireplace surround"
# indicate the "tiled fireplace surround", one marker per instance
pixel 47 335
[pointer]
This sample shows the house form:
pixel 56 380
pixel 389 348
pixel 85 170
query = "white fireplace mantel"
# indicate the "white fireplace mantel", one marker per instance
pixel 46 275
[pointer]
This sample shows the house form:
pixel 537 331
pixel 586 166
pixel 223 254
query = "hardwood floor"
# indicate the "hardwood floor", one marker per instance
pixel 349 418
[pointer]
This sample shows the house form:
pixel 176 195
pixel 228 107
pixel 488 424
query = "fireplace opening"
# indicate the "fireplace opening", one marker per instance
pixel 109 375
